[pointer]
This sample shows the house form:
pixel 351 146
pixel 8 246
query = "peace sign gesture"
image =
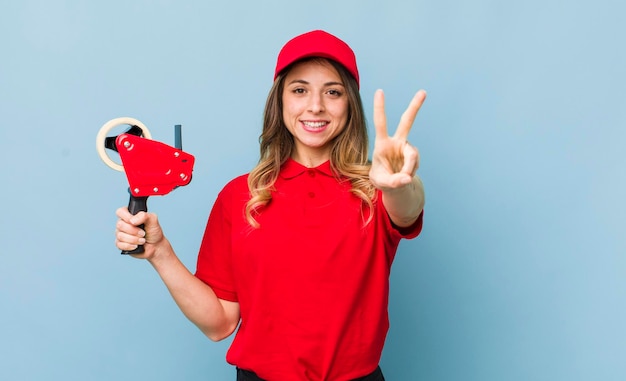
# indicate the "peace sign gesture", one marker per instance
pixel 394 160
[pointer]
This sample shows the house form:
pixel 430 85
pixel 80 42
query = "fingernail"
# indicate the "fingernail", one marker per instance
pixel 142 241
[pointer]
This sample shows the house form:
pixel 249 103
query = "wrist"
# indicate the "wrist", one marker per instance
pixel 163 251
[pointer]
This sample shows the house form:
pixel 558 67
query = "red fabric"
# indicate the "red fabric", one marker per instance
pixel 317 43
pixel 312 282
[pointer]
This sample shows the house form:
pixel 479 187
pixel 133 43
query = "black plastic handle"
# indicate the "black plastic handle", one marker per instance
pixel 136 205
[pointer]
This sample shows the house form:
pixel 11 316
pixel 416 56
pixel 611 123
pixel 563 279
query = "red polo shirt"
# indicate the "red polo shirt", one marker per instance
pixel 312 282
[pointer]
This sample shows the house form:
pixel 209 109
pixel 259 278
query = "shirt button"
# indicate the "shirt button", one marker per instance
pixel 311 194
pixel 311 172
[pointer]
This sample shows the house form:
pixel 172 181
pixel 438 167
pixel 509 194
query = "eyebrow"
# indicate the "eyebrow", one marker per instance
pixel 302 81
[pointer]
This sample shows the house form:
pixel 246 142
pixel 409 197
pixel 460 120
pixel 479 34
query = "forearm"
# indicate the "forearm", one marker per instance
pixel 195 298
pixel 405 204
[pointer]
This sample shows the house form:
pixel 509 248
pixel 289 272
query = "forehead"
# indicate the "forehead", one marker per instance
pixel 313 69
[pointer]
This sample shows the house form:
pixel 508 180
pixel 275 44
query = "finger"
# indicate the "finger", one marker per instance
pixel 397 180
pixel 380 120
pixel 123 213
pixel 136 219
pixel 124 240
pixel 129 229
pixel 139 218
pixel 411 160
pixel 408 117
pixel 125 246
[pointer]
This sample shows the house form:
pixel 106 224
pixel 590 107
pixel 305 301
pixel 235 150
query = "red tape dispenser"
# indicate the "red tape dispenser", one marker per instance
pixel 152 168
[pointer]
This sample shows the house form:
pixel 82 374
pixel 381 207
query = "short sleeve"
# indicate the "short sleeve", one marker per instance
pixel 214 266
pixel 410 232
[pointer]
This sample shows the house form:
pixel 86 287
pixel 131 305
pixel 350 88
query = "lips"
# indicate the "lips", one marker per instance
pixel 314 126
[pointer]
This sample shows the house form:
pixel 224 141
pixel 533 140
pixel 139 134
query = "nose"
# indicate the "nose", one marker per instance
pixel 316 103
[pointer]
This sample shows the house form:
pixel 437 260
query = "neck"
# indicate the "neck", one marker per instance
pixel 310 159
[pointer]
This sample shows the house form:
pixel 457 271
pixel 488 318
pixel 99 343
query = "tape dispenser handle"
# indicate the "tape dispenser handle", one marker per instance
pixel 136 205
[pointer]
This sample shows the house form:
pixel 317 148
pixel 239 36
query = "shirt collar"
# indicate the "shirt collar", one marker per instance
pixel 292 168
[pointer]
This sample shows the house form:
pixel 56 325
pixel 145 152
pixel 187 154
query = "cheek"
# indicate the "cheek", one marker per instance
pixel 290 110
pixel 288 117
pixel 341 113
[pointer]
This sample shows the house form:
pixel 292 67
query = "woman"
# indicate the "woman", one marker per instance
pixel 297 253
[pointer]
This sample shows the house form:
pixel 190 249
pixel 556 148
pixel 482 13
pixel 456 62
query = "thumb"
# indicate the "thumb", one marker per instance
pixel 139 218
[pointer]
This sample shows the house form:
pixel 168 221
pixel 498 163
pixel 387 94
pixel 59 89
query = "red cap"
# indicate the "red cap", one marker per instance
pixel 317 43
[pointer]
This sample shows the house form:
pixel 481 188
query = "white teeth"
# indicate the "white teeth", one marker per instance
pixel 314 124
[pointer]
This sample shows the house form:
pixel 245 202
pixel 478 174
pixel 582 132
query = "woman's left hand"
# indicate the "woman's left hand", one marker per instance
pixel 394 161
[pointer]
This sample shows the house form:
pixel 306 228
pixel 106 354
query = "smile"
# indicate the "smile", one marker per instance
pixel 314 124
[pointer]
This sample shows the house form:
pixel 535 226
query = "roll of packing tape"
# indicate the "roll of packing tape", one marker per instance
pixel 108 126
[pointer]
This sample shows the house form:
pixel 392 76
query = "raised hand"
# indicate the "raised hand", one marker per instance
pixel 394 161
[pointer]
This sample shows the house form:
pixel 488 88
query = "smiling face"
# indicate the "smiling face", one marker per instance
pixel 315 109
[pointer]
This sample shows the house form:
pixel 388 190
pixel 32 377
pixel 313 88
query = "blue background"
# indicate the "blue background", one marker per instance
pixel 519 273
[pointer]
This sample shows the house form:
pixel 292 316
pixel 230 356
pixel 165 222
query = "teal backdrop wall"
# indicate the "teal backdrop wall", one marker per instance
pixel 520 273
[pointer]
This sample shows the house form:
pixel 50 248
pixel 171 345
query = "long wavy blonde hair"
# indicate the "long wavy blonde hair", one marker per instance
pixel 349 151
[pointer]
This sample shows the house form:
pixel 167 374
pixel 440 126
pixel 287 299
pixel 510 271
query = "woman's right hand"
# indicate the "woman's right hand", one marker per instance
pixel 128 234
pixel 216 318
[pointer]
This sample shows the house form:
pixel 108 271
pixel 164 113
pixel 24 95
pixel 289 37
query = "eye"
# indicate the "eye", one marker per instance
pixel 334 92
pixel 298 90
